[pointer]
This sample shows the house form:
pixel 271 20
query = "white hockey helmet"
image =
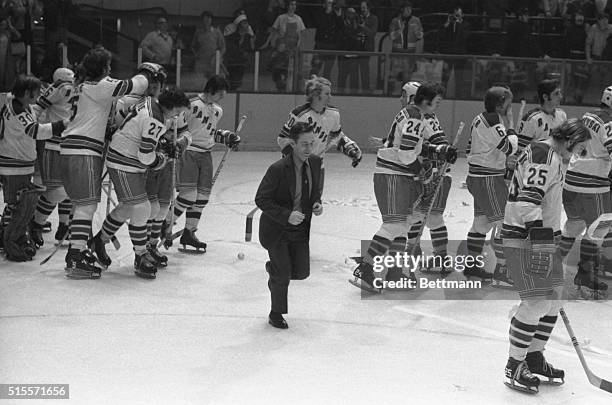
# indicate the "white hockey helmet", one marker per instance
pixel 411 88
pixel 63 74
pixel 606 97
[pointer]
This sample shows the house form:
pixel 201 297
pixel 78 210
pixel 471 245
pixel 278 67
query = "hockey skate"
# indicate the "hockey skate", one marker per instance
pixel 543 370
pixel 36 231
pixel 62 233
pixel 189 238
pixel 403 282
pixel 519 377
pixel 96 244
pixel 501 278
pixel 475 272
pixel 17 243
pixel 81 265
pixel 364 278
pixel 144 266
pixel 587 284
pixel 161 260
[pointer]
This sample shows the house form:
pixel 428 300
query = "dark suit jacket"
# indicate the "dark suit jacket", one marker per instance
pixel 275 198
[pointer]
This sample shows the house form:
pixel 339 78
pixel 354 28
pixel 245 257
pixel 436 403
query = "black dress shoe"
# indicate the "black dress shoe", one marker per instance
pixel 277 321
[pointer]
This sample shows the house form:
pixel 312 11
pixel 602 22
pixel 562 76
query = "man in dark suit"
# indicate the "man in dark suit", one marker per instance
pixel 288 195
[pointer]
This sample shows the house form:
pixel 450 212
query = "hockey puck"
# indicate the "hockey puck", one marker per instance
pixel 240 256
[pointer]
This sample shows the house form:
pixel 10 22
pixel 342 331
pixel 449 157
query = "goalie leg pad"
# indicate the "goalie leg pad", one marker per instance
pixel 17 243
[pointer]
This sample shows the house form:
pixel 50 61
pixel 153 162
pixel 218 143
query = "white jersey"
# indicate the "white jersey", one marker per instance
pixel 489 145
pixel 535 191
pixel 91 106
pixel 537 124
pixel 400 154
pixel 122 107
pixel 589 174
pixel 326 124
pixel 133 146
pixel 19 131
pixel 54 104
pixel 202 119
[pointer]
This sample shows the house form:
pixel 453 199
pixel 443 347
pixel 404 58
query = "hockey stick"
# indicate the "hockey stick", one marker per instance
pixel 177 234
pixel 445 167
pixel 173 193
pixel 248 232
pixel 109 200
pixel 593 379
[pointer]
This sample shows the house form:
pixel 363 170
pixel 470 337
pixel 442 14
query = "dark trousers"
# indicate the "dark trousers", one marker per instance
pixel 289 260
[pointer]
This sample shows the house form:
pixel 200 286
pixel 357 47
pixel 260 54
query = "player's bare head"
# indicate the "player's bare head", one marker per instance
pixel 572 134
pixel 606 97
pixel 96 63
pixel 63 75
pixel 408 92
pixel 216 87
pixel 173 100
pixel 316 87
pixel 428 96
pixel 302 139
pixel 497 99
pixel 549 90
pixel 26 86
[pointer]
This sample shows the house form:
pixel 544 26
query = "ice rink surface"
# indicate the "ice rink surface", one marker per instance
pixel 198 334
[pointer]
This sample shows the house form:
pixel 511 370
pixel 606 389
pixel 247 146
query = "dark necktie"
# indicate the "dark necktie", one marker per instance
pixel 305 200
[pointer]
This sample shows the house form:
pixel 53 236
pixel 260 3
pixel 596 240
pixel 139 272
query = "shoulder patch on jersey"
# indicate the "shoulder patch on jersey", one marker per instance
pixel 491 119
pixel 413 112
pixel 301 109
pixel 540 153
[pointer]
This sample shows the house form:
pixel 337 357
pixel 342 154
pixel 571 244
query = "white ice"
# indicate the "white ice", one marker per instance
pixel 198 334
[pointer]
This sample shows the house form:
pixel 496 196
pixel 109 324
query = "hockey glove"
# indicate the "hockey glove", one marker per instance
pixel 352 151
pixel 167 147
pixel 181 146
pixel 230 139
pixel 152 71
pixel 160 161
pixel 447 153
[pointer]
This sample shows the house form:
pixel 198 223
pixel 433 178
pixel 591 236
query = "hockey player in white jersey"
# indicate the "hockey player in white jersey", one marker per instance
pixel 586 196
pixel 132 154
pixel 396 184
pixel 55 105
pixel 82 148
pixel 195 168
pixel 326 120
pixel 489 145
pixel 531 219
pixel 19 131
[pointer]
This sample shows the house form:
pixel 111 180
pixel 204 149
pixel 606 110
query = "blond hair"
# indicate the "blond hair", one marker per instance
pixel 314 86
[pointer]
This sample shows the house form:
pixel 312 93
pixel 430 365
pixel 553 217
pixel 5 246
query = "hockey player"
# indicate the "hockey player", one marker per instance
pixel 54 102
pixel 396 186
pixel 19 132
pixel 131 155
pixel 531 219
pixel 326 119
pixel 586 195
pixel 82 147
pixel 535 125
pixel 489 146
pixel 195 168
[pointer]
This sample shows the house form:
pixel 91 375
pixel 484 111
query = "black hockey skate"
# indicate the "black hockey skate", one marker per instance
pixel 519 377
pixel 62 232
pixel 96 244
pixel 189 238
pixel 166 235
pixel 501 278
pixel 36 231
pixel 402 281
pixel 475 272
pixel 364 278
pixel 587 282
pixel 544 370
pixel 161 260
pixel 81 265
pixel 144 266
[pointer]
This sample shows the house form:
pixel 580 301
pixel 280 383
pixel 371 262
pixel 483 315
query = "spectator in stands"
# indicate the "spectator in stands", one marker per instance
pixel 520 40
pixel 347 63
pixel 240 42
pixel 453 40
pixel 367 26
pixel 157 45
pixel 287 29
pixel 328 25
pixel 8 35
pixel 406 33
pixel 575 40
pixel 597 38
pixel 207 40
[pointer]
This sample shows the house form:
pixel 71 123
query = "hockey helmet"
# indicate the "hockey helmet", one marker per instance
pixel 410 88
pixel 63 74
pixel 156 72
pixel 606 97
